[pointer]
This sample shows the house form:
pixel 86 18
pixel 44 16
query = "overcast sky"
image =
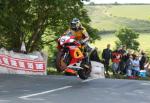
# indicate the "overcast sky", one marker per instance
pixel 120 1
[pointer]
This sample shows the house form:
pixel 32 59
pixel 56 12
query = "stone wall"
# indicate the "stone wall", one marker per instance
pixel 36 59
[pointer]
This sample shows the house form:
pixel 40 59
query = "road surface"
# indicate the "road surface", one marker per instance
pixel 65 89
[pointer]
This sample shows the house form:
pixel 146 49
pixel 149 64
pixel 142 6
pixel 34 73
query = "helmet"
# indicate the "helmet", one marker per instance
pixel 75 24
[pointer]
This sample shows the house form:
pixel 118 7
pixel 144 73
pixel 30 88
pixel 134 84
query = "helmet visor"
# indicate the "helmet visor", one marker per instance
pixel 73 25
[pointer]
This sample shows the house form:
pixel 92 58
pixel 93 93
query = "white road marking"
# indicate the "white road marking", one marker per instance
pixel 5 101
pixel 139 91
pixel 148 83
pixel 26 90
pixel 33 99
pixel 27 97
pixel 45 92
pixel 4 91
pixel 89 80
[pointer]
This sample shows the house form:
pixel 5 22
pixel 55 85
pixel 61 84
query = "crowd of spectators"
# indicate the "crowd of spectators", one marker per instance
pixel 126 62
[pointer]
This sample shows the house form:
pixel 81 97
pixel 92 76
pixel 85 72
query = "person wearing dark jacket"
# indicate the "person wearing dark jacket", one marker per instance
pixel 142 60
pixel 124 59
pixel 106 56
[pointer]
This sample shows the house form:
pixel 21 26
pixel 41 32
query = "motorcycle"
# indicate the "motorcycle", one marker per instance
pixel 71 54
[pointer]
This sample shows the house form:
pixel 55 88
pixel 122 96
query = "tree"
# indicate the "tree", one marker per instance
pixel 92 3
pixel 38 22
pixel 127 37
pixel 14 22
pixel 116 3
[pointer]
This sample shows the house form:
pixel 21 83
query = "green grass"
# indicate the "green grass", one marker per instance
pixel 141 12
pixel 144 40
pixel 105 39
pixel 53 71
pixel 111 17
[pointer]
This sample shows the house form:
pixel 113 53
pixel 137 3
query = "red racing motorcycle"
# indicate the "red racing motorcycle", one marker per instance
pixel 71 54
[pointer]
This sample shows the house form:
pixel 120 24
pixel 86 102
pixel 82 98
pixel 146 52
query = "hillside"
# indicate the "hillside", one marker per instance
pixel 111 17
pixel 108 18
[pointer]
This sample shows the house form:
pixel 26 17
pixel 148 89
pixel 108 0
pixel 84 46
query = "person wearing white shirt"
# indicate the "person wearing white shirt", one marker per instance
pixel 136 66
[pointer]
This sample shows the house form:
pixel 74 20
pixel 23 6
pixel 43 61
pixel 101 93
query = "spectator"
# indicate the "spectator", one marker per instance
pixel 124 59
pixel 123 49
pixel 134 54
pixel 142 60
pixel 136 66
pixel 129 53
pixel 116 56
pixel 147 68
pixel 129 66
pixel 106 56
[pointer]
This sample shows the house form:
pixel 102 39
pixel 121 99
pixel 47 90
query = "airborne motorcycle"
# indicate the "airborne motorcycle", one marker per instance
pixel 71 54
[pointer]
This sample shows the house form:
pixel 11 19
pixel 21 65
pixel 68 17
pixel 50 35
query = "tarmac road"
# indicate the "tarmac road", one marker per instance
pixel 63 89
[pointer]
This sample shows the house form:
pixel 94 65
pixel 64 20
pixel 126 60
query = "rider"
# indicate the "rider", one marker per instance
pixel 82 36
pixel 80 32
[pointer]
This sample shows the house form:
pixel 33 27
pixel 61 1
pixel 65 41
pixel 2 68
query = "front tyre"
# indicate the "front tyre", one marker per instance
pixel 60 62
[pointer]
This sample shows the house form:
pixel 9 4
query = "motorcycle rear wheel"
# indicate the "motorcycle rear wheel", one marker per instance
pixel 85 72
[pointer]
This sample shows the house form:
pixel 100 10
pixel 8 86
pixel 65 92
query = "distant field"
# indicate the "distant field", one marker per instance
pixel 141 12
pixel 109 18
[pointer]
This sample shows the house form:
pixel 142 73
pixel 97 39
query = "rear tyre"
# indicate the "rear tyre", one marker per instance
pixel 85 72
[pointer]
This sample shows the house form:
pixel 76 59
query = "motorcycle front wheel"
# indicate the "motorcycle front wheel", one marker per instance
pixel 60 62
